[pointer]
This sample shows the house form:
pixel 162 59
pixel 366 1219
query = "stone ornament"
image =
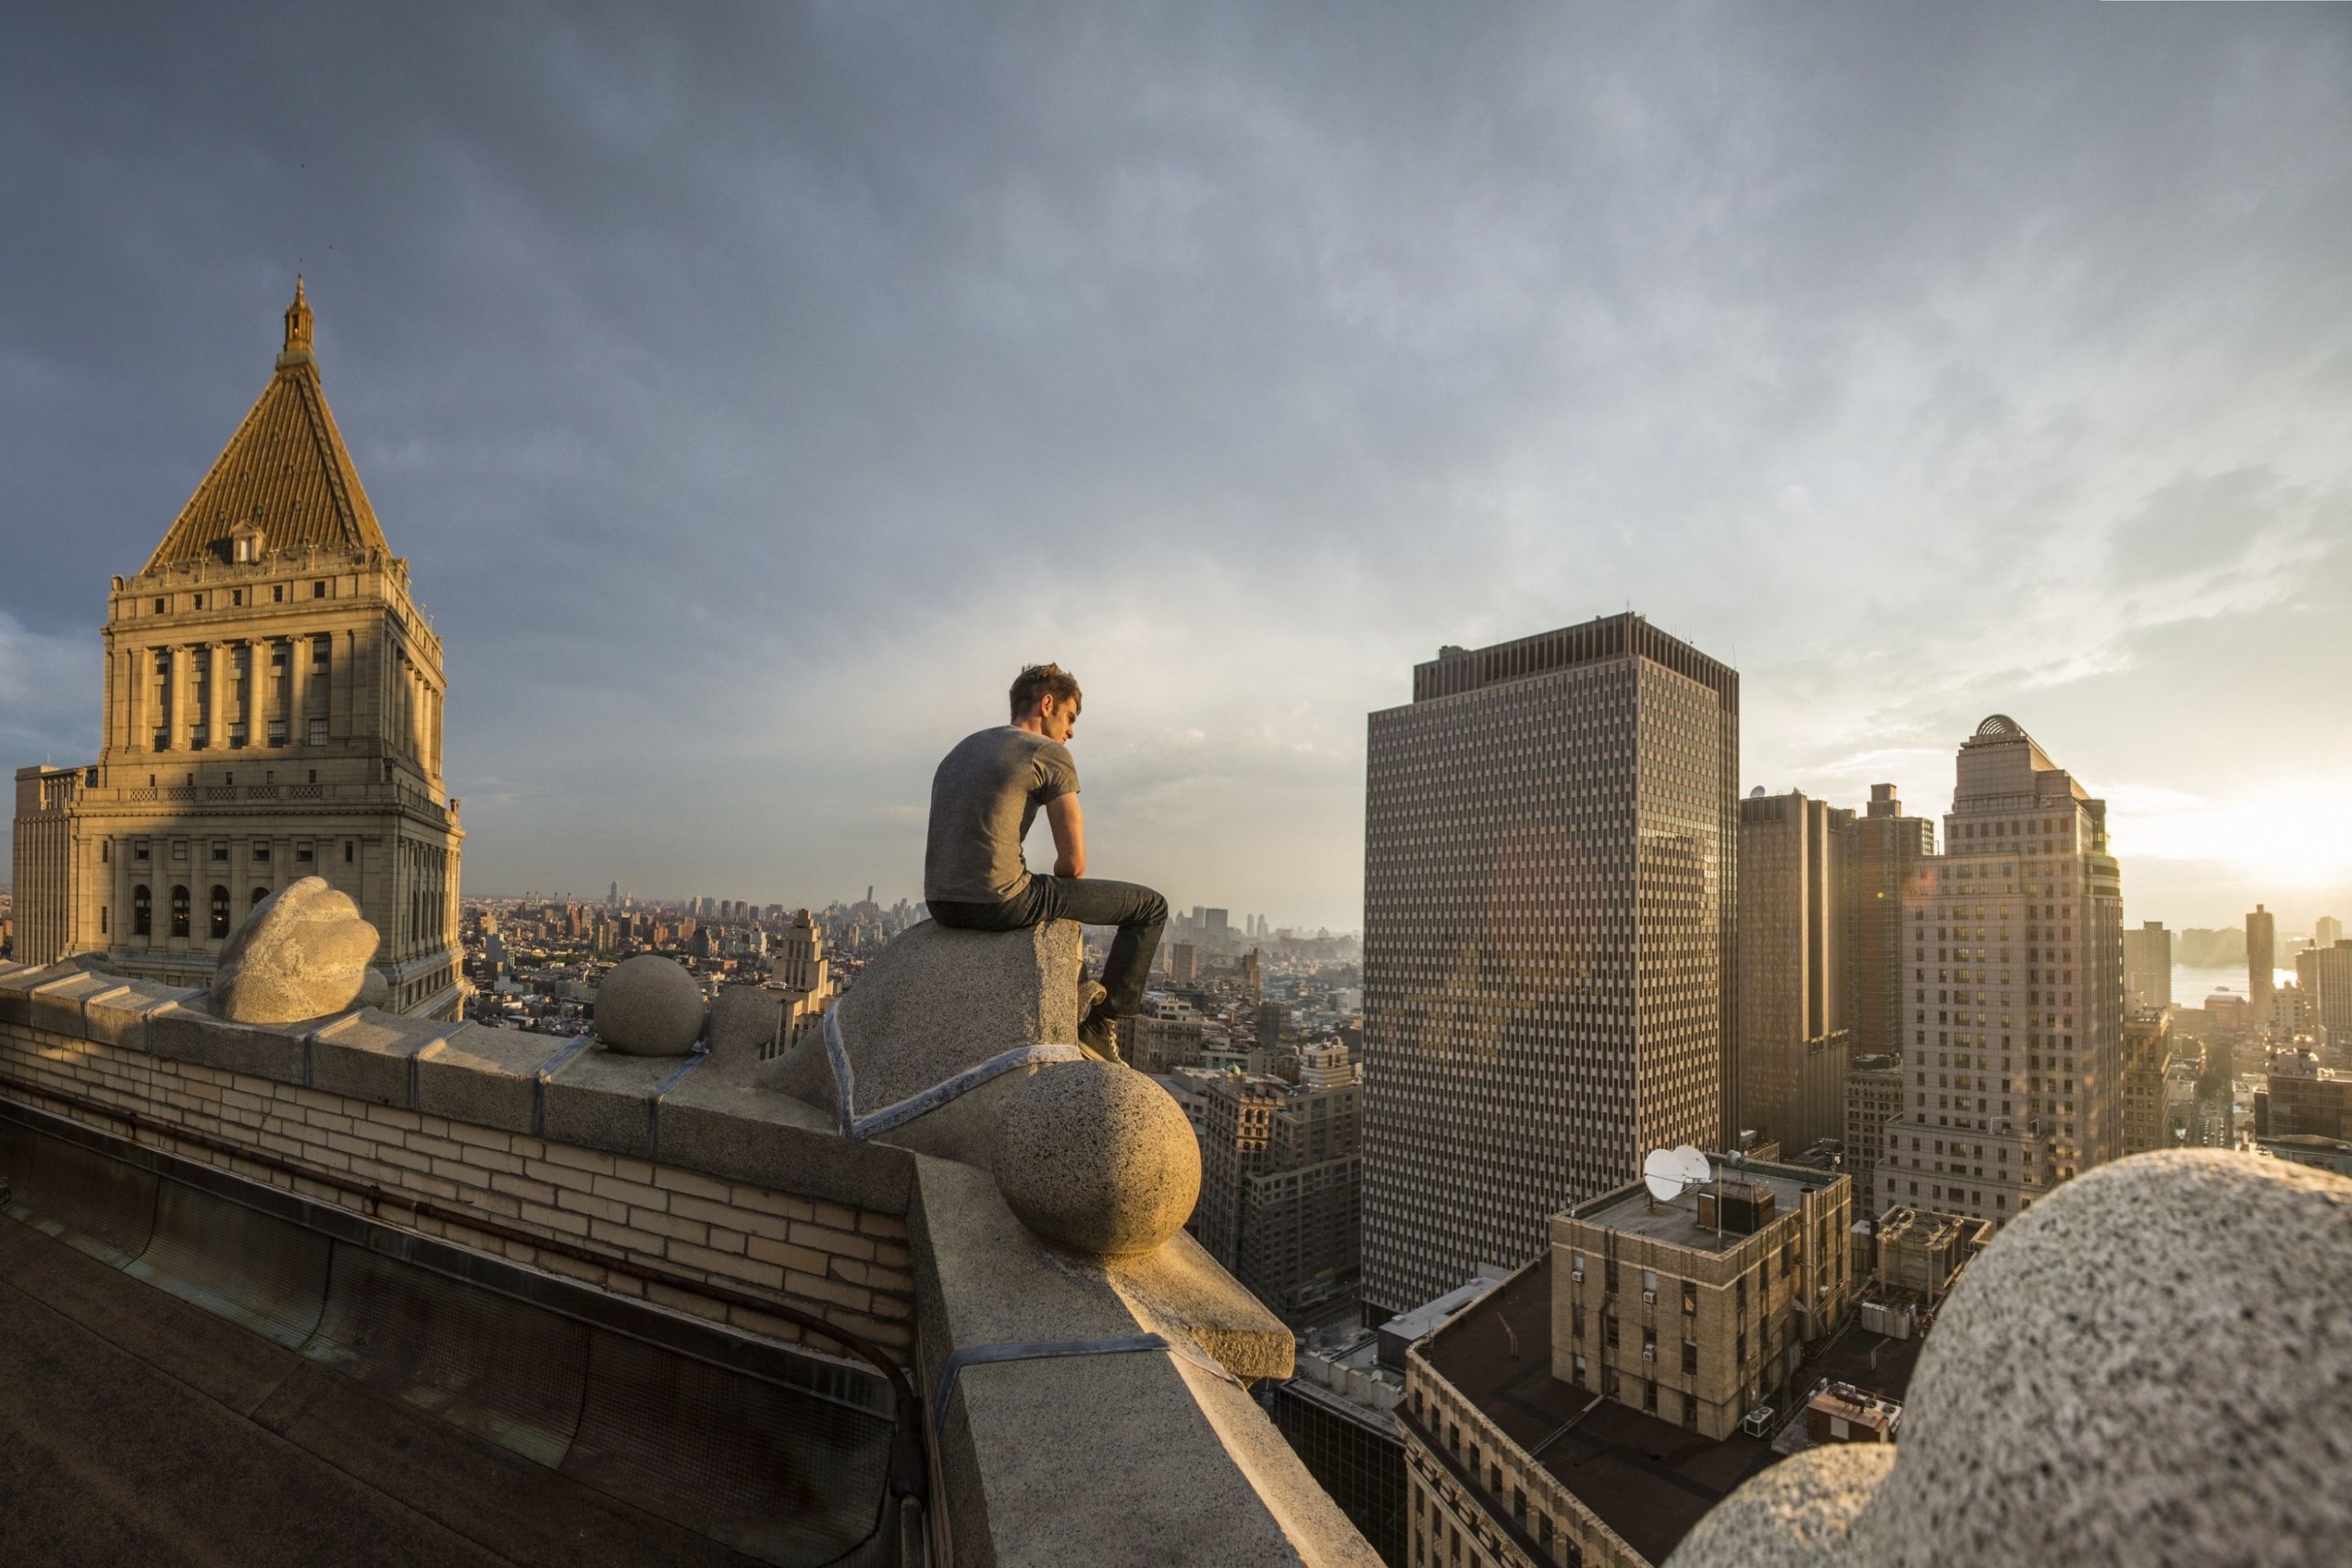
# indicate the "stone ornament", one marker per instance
pixel 941 1026
pixel 303 953
pixel 649 1006
pixel 1097 1157
pixel 2153 1364
pixel 963 1045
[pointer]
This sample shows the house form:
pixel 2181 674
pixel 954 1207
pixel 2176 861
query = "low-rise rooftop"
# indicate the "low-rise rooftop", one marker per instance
pixel 1676 1222
pixel 1646 1478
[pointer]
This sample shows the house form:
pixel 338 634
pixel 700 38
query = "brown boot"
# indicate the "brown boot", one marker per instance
pixel 1098 1036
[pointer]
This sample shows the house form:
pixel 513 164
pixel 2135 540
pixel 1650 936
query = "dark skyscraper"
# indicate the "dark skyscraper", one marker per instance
pixel 1887 845
pixel 1549 974
pixel 1796 967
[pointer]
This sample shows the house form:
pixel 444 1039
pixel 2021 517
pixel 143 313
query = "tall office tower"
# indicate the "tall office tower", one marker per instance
pixel 1887 845
pixel 2262 963
pixel 1796 921
pixel 2323 976
pixel 1549 977
pixel 272 711
pixel 2017 986
pixel 2326 931
pixel 2147 964
pixel 2148 1048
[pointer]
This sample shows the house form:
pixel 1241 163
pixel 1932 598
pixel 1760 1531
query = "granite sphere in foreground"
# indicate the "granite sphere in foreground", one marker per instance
pixel 649 1006
pixel 303 953
pixel 2151 1365
pixel 1097 1158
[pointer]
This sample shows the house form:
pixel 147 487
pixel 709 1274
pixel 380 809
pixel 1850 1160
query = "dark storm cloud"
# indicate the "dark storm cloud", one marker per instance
pixel 753 388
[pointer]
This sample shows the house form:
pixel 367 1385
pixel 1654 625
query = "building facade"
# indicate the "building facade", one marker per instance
pixel 2323 977
pixel 2148 966
pixel 1282 1182
pixel 1888 847
pixel 1699 1310
pixel 1796 968
pixel 1874 1097
pixel 1551 981
pixel 2016 993
pixel 2148 1048
pixel 273 710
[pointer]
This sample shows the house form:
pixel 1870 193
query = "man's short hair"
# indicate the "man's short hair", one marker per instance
pixel 1041 681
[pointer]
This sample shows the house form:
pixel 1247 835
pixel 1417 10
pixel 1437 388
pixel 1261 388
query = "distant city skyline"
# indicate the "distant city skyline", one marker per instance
pixel 753 394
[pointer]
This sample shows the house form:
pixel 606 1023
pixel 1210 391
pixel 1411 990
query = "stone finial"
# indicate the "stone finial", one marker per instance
pixel 649 1006
pixel 2153 1364
pixel 303 953
pixel 298 321
pixel 1097 1157
pixel 935 1003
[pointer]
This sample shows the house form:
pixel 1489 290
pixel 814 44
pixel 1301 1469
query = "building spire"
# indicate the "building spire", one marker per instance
pixel 298 321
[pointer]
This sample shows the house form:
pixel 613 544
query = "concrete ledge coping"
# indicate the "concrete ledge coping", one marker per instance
pixel 603 1098
pixel 1025 1445
pixel 710 1120
pixel 488 1077
pixel 372 1055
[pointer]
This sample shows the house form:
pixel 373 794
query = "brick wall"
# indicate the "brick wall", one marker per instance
pixel 848 1265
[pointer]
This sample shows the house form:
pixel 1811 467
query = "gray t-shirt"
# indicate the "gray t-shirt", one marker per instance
pixel 983 799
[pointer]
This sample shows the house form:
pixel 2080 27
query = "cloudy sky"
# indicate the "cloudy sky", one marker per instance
pixel 755 388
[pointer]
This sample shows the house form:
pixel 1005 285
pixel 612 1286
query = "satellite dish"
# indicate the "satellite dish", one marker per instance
pixel 1662 1172
pixel 1696 1169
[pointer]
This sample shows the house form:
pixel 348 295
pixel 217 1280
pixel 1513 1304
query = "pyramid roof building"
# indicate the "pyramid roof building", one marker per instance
pixel 286 473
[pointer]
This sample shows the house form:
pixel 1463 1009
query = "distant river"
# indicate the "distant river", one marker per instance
pixel 2191 987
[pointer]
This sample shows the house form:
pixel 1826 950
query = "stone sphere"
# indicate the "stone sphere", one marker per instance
pixel 649 1006
pixel 1097 1158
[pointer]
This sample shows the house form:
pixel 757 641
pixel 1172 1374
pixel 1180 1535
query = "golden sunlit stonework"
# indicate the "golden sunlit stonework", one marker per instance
pixel 273 711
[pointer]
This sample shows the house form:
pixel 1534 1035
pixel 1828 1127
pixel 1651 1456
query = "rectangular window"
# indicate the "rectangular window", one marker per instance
pixel 302 854
pixel 261 852
pixel 318 590
pixel 1690 1357
pixel 317 731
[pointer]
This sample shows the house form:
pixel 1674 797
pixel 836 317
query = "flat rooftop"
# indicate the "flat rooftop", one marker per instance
pixel 1632 1211
pixel 1647 1479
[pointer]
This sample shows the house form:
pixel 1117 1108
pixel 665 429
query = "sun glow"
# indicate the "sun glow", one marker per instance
pixel 2295 835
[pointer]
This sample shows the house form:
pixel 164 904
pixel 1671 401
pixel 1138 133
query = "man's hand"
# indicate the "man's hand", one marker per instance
pixel 1069 826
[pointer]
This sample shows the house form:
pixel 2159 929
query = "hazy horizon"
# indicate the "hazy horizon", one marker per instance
pixel 752 392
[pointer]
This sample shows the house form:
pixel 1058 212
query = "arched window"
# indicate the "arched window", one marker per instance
pixel 219 913
pixel 179 911
pixel 260 894
pixel 142 911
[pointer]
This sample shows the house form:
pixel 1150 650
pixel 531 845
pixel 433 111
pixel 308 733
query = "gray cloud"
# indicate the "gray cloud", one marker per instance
pixel 753 388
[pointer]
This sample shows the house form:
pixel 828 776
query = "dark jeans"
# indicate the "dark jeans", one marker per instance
pixel 1136 911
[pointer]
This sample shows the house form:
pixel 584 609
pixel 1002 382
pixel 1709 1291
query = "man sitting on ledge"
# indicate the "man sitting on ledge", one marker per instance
pixel 983 799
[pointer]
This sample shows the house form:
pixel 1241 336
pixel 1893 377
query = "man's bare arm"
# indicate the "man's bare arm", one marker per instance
pixel 1069 826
